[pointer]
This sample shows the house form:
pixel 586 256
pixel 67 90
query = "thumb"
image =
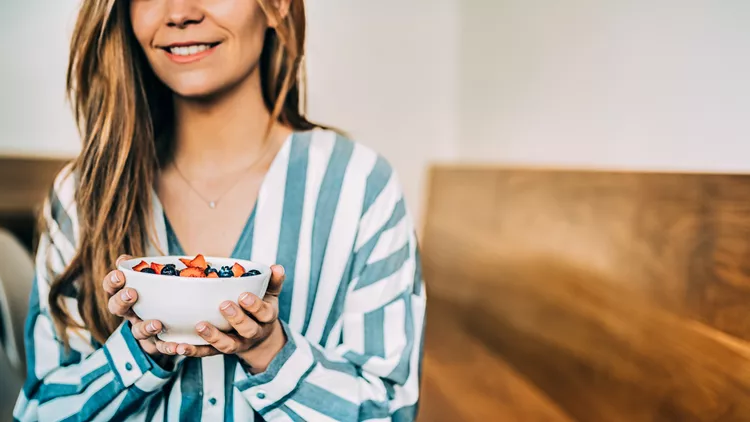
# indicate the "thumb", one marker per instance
pixel 278 275
pixel 122 258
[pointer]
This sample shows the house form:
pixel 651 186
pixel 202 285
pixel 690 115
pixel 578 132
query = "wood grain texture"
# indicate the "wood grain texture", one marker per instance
pixel 614 295
pixel 465 381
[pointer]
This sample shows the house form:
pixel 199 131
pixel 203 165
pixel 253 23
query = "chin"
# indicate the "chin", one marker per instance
pixel 203 88
pixel 196 90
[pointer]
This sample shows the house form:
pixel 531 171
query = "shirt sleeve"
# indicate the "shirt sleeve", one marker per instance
pixel 374 374
pixel 83 382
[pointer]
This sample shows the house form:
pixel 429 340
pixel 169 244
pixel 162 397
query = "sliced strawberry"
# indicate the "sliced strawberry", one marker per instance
pixel 141 265
pixel 199 262
pixel 185 261
pixel 237 270
pixel 156 267
pixel 192 272
pixel 212 275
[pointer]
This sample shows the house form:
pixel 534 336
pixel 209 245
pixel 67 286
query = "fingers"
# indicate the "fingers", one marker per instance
pixel 121 303
pixel 166 348
pixel 244 325
pixel 220 341
pixel 277 280
pixel 196 351
pixel 113 282
pixel 146 329
pixel 262 311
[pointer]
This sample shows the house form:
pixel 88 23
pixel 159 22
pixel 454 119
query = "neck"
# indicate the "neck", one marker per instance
pixel 231 126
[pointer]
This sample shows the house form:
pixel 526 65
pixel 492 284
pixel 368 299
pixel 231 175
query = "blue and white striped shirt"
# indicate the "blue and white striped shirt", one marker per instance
pixel 332 213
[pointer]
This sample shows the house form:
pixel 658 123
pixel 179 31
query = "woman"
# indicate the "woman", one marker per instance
pixel 192 131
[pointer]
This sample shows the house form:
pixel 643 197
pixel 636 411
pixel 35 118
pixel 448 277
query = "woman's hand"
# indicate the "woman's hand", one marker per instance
pixel 120 304
pixel 258 335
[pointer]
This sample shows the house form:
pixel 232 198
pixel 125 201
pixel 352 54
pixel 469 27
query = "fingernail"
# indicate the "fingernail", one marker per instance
pixel 201 328
pixel 168 349
pixel 228 309
pixel 115 279
pixel 125 295
pixel 181 350
pixel 283 271
pixel 151 327
pixel 246 299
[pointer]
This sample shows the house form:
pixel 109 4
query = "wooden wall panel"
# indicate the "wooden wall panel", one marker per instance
pixel 617 296
pixel 681 239
pixel 24 182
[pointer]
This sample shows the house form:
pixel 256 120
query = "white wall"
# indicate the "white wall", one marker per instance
pixel 639 83
pixel 386 72
pixel 656 84
pixel 35 117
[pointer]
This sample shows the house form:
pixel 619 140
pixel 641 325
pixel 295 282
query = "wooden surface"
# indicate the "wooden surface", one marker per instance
pixel 24 182
pixel 465 381
pixel 595 296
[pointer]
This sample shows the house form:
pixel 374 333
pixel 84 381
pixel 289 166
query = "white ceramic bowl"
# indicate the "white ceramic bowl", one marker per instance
pixel 182 302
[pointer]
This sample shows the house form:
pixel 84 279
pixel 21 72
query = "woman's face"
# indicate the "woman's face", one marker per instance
pixel 200 47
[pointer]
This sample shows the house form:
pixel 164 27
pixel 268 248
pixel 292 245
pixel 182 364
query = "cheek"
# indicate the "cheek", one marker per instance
pixel 144 19
pixel 244 20
pixel 251 35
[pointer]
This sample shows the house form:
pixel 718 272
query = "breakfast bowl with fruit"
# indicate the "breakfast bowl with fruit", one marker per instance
pixel 182 291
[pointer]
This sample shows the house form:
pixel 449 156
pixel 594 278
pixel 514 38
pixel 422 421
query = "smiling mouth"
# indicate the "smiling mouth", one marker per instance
pixel 189 50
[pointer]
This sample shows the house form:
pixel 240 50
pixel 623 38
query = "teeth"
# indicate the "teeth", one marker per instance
pixel 190 50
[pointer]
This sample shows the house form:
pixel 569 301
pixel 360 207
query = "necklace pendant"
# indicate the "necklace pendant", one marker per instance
pixel 212 204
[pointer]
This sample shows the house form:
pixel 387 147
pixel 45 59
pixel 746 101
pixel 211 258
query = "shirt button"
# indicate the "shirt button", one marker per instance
pixel 261 395
pixel 128 366
pixel 212 401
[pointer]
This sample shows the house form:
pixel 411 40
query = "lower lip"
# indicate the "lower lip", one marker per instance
pixel 191 58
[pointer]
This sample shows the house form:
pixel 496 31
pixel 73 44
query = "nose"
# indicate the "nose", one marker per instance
pixel 182 13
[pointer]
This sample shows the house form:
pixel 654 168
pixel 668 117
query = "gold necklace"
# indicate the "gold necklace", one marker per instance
pixel 213 203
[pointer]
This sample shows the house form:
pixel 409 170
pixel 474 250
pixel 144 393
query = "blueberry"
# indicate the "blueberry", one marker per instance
pixel 148 270
pixel 225 272
pixel 210 270
pixel 251 273
pixel 169 270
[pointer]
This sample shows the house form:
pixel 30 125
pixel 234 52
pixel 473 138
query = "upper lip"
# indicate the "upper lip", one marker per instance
pixel 189 43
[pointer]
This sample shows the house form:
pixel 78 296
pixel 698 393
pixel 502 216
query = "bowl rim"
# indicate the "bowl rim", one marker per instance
pixel 265 270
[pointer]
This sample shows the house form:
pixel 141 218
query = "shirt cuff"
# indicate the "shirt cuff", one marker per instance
pixel 285 372
pixel 130 363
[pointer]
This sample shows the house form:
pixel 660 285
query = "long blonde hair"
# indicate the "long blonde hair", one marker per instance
pixel 123 110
